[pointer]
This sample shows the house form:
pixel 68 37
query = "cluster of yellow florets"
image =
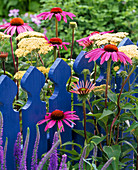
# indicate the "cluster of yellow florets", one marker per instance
pixel 29 34
pixel 28 45
pixel 19 74
pixel 99 90
pixel 108 38
pixel 130 50
pixel 4 36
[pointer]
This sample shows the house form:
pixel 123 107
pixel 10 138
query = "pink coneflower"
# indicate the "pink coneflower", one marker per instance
pixel 57 12
pixel 106 52
pixel 82 88
pixel 85 42
pixel 59 116
pixel 57 42
pixel 16 24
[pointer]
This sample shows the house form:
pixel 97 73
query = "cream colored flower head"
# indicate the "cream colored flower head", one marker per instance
pixel 33 44
pixel 130 50
pixel 4 36
pixel 29 34
pixel 19 75
pixel 43 69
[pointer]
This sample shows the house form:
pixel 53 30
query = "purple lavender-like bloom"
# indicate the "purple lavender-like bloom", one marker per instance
pixel 95 151
pixel 17 150
pixel 34 157
pixel 35 19
pixel 14 13
pixel 53 162
pixel 1 128
pixel 63 165
pixel 24 155
pixel 1 158
pixel 4 21
pixel 47 155
pixel 108 163
pixel 82 157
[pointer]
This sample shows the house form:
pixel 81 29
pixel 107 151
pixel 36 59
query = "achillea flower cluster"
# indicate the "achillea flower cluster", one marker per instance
pixel 99 90
pixel 43 69
pixel 29 34
pixel 28 45
pixel 4 36
pixel 109 38
pixel 130 50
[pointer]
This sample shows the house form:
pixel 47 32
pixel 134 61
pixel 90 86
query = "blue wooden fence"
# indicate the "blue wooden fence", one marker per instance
pixel 35 109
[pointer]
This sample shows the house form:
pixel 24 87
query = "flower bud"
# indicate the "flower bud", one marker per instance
pixel 73 25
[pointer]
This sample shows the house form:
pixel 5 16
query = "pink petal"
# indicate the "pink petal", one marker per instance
pixel 114 56
pixel 64 16
pixel 60 124
pixel 68 112
pixel 98 55
pixel 43 14
pixel 125 56
pixel 13 30
pixel 67 123
pixel 50 124
pixel 41 121
pixel 107 56
pixel 64 47
pixel 50 15
pixel 58 16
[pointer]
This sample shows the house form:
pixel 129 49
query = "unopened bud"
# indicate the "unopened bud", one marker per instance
pixel 73 25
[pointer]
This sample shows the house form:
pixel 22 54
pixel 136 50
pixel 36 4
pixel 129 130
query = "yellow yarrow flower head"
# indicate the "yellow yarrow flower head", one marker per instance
pixel 43 69
pixel 116 68
pixel 19 75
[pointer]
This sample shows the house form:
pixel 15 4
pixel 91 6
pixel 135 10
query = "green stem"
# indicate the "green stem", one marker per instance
pixel 55 53
pixel 13 55
pixel 107 80
pixel 137 154
pixel 72 43
pixel 95 72
pixel 118 102
pixel 56 22
pixel 84 114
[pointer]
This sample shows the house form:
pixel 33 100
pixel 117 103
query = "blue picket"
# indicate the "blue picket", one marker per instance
pixel 11 127
pixel 61 99
pixel 80 64
pixel 34 110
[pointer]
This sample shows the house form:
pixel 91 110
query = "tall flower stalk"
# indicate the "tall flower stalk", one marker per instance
pixel 84 115
pixel 34 156
pixel 82 157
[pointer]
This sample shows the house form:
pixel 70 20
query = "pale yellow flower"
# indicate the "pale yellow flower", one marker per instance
pixel 116 68
pixel 43 69
pixel 27 45
pixel 19 75
pixel 103 42
pixel 130 50
pixel 29 34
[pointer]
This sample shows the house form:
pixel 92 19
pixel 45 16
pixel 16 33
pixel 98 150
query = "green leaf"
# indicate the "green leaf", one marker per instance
pixel 97 115
pixel 113 151
pixel 96 101
pixel 71 143
pixel 97 139
pixel 112 96
pixel 106 112
pixel 128 106
pixel 73 152
pixel 133 126
pixel 128 143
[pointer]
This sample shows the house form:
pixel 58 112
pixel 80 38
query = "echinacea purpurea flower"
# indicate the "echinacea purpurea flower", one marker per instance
pixel 59 116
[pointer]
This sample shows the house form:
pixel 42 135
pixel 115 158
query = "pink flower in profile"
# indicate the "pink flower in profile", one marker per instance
pixel 58 116
pixel 108 51
pixel 57 42
pixel 16 24
pixel 57 12
pixel 85 42
pixel 82 88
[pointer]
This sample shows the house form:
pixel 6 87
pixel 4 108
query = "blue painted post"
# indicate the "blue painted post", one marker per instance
pixel 80 64
pixel 34 110
pixel 11 127
pixel 59 74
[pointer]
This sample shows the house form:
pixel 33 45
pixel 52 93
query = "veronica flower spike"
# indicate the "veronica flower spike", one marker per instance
pixel 57 116
pixel 108 51
pixel 16 24
pixel 57 12
pixel 57 42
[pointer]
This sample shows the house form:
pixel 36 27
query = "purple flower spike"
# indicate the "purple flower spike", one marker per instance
pixel 63 165
pixel 1 158
pixel 82 157
pixel 34 157
pixel 1 128
pixel 108 163
pixel 53 162
pixel 17 150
